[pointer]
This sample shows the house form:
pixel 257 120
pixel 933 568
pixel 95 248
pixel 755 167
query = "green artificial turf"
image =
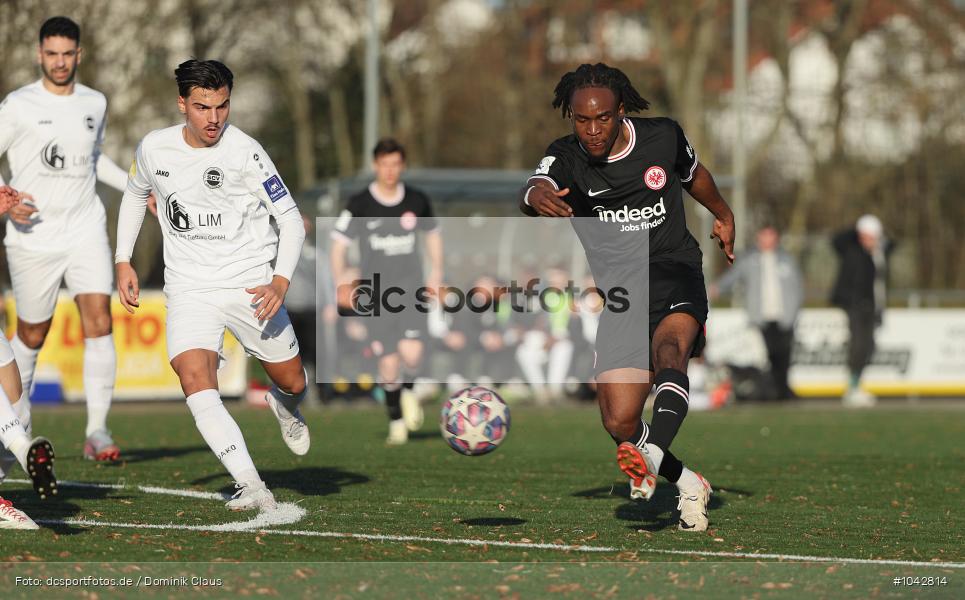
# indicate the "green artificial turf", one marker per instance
pixel 882 484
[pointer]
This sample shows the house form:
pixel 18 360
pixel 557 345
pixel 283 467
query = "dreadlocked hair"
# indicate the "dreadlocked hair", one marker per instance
pixel 602 76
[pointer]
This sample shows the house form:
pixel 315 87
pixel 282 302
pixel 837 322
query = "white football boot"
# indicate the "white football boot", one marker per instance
pixel 859 398
pixel 692 505
pixel 12 518
pixel 251 497
pixel 412 412
pixel 636 464
pixel 294 431
pixel 398 433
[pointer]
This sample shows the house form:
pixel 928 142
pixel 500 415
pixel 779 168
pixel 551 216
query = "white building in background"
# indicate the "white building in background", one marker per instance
pixel 899 91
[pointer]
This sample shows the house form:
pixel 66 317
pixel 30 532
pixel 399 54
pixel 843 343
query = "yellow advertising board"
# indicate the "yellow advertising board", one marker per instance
pixel 143 371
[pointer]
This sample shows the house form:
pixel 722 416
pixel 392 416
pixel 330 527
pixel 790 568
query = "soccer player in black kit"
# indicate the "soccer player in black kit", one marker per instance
pixel 385 218
pixel 619 179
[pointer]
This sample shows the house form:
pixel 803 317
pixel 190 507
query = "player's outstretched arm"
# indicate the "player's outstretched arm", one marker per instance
pixel 539 198
pixel 704 190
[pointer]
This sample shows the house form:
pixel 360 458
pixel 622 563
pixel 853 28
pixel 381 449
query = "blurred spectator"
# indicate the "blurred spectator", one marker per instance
pixel 476 340
pixel 546 350
pixel 773 291
pixel 860 290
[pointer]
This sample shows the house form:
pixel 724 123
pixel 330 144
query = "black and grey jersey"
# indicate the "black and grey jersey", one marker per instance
pixel 629 207
pixel 388 243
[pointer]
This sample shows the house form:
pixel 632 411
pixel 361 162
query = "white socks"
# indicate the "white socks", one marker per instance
pixel 12 434
pixel 688 480
pixel 656 456
pixel 100 363
pixel 26 362
pixel 223 436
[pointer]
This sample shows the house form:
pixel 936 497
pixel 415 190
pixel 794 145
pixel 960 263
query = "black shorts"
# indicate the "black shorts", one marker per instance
pixel 388 329
pixel 622 339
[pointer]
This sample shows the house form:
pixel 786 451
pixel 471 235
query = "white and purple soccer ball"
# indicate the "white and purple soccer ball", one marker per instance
pixel 474 421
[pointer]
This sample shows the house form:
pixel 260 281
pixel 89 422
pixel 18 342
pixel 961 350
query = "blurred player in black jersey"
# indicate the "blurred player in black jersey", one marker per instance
pixel 620 178
pixel 385 219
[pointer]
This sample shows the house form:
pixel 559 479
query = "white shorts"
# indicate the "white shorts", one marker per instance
pixel 87 268
pixel 197 320
pixel 6 352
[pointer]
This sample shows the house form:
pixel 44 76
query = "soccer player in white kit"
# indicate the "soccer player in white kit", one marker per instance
pixel 35 456
pixel 224 264
pixel 51 131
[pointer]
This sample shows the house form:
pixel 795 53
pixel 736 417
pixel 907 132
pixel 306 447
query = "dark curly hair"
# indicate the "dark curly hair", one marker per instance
pixel 602 76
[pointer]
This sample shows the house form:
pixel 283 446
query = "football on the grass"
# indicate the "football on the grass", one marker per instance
pixel 474 421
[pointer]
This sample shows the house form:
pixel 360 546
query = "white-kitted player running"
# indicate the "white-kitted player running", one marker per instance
pixel 36 456
pixel 51 131
pixel 225 265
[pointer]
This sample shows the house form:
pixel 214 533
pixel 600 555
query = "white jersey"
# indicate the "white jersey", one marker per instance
pixel 53 145
pixel 214 205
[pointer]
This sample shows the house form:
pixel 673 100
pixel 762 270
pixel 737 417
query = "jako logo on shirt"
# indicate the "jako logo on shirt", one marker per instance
pixel 627 214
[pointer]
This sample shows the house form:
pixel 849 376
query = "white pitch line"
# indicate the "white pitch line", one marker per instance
pixel 288 513
pixel 147 489
pixel 524 545
pixel 803 558
pixel 285 514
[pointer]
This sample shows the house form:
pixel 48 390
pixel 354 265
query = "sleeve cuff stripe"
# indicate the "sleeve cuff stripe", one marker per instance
pixel 692 168
pixel 549 179
pixel 338 235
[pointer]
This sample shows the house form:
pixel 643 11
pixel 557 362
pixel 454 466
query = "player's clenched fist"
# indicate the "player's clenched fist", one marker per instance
pixel 127 286
pixel 547 201
pixel 8 198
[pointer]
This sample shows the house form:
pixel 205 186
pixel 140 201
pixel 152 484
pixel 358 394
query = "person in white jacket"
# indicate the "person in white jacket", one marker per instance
pixel 226 266
pixel 52 131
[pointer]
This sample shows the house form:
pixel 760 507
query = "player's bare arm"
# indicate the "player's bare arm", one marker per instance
pixel 539 198
pixel 704 190
pixel 433 247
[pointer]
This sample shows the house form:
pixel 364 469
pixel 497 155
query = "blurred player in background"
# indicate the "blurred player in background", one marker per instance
pixel 622 179
pixel 385 218
pixel 52 131
pixel 773 295
pixel 35 456
pixel 861 290
pixel 224 264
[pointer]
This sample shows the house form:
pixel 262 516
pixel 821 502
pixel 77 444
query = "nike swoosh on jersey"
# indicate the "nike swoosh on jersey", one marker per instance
pixel 591 193
pixel 661 409
pixel 673 306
